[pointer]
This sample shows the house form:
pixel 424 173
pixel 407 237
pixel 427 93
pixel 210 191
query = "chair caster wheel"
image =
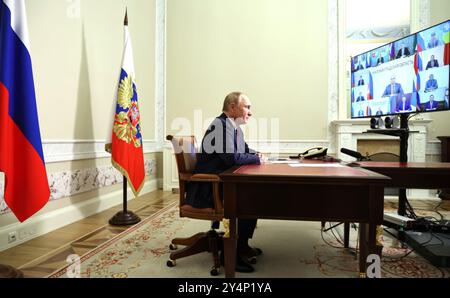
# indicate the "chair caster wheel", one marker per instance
pixel 173 246
pixel 215 271
pixel 253 260
pixel 171 263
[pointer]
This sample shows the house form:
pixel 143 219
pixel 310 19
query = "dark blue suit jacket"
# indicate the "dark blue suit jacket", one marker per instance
pixel 397 90
pixel 223 147
pixel 407 106
pixel 431 106
pixel 431 84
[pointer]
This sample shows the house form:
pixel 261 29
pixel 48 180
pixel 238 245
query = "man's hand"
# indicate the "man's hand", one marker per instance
pixel 262 158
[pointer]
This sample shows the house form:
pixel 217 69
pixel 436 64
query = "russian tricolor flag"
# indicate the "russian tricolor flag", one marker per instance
pixel 21 157
pixel 370 87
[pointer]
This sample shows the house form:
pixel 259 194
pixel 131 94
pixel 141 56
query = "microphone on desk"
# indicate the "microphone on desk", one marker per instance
pixel 354 154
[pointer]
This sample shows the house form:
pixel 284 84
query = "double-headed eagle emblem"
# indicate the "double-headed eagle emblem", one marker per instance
pixel 127 119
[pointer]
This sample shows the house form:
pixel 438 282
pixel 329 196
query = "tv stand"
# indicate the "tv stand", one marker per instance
pixel 403 133
pixel 436 249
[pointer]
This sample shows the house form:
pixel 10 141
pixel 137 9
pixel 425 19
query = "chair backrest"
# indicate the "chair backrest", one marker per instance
pixel 384 156
pixel 185 148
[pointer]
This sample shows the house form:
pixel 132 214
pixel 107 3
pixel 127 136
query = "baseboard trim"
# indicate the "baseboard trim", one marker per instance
pixel 45 223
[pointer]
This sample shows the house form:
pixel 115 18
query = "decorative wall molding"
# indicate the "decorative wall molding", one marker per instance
pixel 420 15
pixel 379 33
pixel 333 70
pixel 68 183
pixel 160 68
pixel 44 223
pixel 69 150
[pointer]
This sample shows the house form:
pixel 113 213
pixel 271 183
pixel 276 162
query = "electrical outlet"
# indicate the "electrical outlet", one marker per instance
pixel 12 237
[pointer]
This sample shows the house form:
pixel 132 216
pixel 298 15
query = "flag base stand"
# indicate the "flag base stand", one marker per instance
pixel 7 271
pixel 124 218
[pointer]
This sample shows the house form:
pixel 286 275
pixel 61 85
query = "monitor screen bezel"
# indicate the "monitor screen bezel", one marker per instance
pixel 391 42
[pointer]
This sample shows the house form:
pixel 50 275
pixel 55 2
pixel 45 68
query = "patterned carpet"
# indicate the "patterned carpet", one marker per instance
pixel 291 249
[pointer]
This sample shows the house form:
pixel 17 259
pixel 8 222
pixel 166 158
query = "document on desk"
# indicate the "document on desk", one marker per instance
pixel 316 165
pixel 284 161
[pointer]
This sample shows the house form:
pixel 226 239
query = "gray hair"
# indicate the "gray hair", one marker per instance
pixel 233 97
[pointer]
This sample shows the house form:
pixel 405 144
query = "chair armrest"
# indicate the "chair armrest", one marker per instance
pixel 211 178
pixel 205 177
pixel 199 177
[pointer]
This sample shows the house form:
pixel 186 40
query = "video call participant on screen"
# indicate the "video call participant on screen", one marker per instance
pixel 403 51
pixel 380 60
pixel 359 66
pixel 373 59
pixel 434 42
pixel 360 81
pixel 223 147
pixel 431 105
pixel 393 88
pixel 404 105
pixel 432 63
pixel 360 97
pixel 361 113
pixel 379 112
pixel 431 84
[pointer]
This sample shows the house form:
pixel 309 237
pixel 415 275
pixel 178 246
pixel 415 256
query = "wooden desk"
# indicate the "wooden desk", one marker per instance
pixel 424 175
pixel 278 191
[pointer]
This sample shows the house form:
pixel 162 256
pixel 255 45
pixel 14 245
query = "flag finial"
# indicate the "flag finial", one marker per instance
pixel 125 21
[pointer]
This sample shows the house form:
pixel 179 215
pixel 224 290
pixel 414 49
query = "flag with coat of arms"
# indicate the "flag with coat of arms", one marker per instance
pixel 125 143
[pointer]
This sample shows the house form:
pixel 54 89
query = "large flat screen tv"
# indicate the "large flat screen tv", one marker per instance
pixel 409 75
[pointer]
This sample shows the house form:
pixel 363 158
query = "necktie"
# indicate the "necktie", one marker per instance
pixel 235 140
pixel 392 89
pixel 403 106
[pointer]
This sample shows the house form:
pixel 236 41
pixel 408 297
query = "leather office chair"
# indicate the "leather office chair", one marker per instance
pixel 186 153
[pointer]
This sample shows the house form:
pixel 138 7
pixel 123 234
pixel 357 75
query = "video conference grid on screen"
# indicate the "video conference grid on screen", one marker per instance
pixel 405 76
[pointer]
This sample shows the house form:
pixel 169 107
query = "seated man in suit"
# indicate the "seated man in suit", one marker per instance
pixel 223 147
pixel 431 84
pixel 360 81
pixel 359 66
pixel 432 63
pixel 380 60
pixel 431 105
pixel 404 105
pixel 393 88
pixel 434 42
pixel 360 97
pixel 379 112
pixel 361 113
pixel 403 51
